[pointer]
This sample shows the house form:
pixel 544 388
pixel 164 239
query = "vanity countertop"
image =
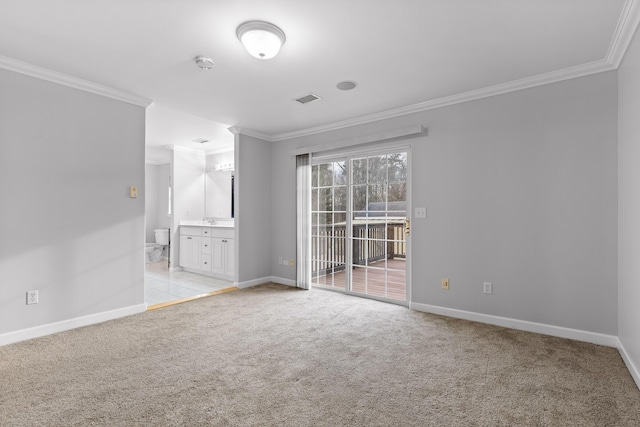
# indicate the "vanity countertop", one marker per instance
pixel 220 224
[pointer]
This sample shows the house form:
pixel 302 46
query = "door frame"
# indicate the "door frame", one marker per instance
pixel 349 154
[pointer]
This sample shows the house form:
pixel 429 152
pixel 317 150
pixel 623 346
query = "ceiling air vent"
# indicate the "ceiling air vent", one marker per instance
pixel 307 98
pixel 200 140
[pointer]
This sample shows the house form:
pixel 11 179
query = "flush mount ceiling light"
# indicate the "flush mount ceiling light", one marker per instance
pixel 204 62
pixel 261 39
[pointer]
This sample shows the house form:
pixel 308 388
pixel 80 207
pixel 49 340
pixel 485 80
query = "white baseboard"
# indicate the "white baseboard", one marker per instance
pixel 263 280
pixel 174 269
pixel 633 369
pixel 523 325
pixel 65 325
pixel 283 281
pixel 254 282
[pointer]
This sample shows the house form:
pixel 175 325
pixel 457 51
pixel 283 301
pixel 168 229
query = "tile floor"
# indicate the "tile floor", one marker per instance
pixel 162 286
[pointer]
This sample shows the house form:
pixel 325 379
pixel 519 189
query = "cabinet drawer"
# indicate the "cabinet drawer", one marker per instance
pixel 223 233
pixel 206 246
pixel 190 231
pixel 205 262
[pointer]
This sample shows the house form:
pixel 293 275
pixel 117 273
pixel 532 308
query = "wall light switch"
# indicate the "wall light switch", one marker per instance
pixel 133 192
pixel 420 213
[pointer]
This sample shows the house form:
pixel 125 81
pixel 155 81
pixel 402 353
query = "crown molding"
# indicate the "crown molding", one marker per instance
pixel 513 86
pixel 626 28
pixel 76 83
pixel 237 130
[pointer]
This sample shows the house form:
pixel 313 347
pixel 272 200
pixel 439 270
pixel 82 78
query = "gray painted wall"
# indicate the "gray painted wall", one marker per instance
pixel 520 190
pixel 253 208
pixel 68 226
pixel 629 203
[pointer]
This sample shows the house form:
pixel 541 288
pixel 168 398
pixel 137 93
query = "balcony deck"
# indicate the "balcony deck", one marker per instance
pixel 371 280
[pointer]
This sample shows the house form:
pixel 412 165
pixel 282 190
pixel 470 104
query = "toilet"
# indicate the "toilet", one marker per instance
pixel 153 251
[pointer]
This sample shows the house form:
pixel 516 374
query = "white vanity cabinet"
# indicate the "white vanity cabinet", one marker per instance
pixel 190 247
pixel 208 250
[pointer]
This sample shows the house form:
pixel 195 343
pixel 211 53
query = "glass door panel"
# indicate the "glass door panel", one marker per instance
pixel 378 213
pixel 328 224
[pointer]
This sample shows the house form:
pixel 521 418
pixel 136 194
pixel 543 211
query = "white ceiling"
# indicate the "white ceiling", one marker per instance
pixel 402 53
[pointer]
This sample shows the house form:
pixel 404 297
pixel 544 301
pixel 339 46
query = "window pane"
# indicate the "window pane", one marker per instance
pixel 325 201
pixel 397 167
pixel 314 200
pixel 340 172
pixel 325 175
pixel 397 192
pixel 359 200
pixel 314 176
pixel 359 167
pixel 377 169
pixel 340 198
pixel 377 197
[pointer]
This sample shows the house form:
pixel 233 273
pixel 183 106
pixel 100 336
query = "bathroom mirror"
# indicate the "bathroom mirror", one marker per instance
pixel 219 194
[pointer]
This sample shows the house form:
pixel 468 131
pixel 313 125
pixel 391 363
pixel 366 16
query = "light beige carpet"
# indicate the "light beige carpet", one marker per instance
pixel 277 356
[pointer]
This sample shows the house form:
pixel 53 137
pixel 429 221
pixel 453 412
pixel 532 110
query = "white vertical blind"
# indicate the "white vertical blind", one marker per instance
pixel 303 250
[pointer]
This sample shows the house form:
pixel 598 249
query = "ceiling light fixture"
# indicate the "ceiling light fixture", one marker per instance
pixel 204 62
pixel 261 39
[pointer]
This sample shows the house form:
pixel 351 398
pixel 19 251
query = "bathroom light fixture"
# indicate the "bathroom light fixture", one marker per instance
pixel 223 167
pixel 261 39
pixel 204 62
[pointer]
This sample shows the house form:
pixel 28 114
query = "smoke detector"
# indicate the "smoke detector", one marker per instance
pixel 204 62
pixel 200 140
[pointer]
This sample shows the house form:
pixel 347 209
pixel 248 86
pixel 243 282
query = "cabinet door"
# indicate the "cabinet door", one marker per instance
pixel 190 252
pixel 217 255
pixel 230 261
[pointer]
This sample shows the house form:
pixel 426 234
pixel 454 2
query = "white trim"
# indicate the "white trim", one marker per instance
pixel 622 36
pixel 74 82
pixel 65 325
pixel 283 281
pixel 236 130
pixel 263 280
pixel 633 369
pixel 523 325
pixel 254 282
pixel 174 269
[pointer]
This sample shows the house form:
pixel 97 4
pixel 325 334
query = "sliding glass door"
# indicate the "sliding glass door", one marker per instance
pixel 359 210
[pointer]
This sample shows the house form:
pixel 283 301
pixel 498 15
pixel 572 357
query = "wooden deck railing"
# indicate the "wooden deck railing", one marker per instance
pixel 370 244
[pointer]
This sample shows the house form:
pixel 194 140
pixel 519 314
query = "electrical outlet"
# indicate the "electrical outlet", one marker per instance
pixel 291 262
pixel 488 288
pixel 32 297
pixel 445 284
pixel 279 260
